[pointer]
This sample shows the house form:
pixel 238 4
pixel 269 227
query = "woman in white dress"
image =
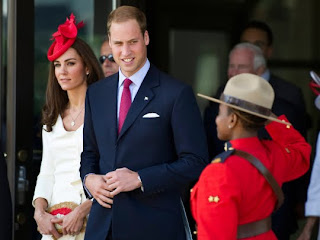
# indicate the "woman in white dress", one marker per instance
pixel 73 67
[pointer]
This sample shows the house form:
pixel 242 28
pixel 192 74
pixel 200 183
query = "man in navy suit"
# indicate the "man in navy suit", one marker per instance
pixel 135 170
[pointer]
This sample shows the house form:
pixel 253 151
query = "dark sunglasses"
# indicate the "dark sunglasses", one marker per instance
pixel 104 57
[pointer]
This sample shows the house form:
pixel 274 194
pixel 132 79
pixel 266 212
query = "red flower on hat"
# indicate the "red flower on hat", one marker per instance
pixel 64 38
pixel 315 84
pixel 315 88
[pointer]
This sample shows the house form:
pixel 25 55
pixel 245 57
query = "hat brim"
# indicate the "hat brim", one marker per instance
pixel 243 109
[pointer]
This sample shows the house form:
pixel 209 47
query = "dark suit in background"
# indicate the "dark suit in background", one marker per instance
pixel 289 101
pixel 5 202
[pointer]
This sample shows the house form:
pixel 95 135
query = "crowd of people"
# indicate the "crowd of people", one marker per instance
pixel 122 141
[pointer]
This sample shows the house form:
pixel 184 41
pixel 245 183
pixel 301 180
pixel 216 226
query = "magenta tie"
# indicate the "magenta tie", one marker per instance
pixel 125 103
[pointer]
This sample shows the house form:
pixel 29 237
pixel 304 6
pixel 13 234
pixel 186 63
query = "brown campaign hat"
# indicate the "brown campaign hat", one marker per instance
pixel 248 93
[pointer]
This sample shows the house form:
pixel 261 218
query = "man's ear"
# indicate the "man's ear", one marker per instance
pixel 146 38
pixel 260 70
pixel 269 52
pixel 109 41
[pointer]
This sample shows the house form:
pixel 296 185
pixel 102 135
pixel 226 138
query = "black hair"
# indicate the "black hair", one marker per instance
pixel 261 26
pixel 249 122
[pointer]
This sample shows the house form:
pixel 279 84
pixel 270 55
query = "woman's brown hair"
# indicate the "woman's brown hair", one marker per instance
pixel 249 122
pixel 56 98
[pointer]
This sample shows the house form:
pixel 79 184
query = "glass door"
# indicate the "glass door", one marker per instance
pixel 17 72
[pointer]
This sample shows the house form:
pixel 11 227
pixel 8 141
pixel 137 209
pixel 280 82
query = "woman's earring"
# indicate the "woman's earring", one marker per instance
pixel 87 73
pixel 229 126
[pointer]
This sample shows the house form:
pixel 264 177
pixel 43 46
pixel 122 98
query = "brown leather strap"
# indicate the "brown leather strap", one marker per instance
pixel 254 228
pixel 265 172
pixel 246 105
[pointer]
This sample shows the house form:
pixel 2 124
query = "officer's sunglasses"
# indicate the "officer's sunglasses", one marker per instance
pixel 104 57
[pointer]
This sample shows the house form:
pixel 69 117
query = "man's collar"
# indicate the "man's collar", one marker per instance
pixel 138 77
pixel 266 74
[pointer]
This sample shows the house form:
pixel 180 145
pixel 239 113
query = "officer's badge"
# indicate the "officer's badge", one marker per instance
pixel 214 199
pixel 216 160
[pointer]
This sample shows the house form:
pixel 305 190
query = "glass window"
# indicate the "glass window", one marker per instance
pixel 3 71
pixel 199 59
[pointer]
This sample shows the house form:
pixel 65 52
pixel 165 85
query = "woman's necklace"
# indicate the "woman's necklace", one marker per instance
pixel 73 122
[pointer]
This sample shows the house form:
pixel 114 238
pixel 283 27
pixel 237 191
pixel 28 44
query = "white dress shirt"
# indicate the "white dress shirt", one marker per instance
pixel 136 79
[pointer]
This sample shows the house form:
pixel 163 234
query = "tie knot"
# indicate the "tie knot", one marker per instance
pixel 127 83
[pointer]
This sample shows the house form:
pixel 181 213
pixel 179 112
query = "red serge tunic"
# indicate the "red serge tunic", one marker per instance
pixel 234 192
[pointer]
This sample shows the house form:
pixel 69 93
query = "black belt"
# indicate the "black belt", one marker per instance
pixel 258 227
pixel 254 228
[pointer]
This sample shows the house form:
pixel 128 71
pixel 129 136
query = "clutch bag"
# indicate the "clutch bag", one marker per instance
pixel 62 209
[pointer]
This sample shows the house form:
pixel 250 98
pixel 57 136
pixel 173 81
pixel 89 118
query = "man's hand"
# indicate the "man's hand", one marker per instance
pixel 307 230
pixel 122 180
pixel 99 189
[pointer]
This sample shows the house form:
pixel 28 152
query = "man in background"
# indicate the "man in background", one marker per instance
pixel 285 219
pixel 109 66
pixel 243 58
pixel 260 34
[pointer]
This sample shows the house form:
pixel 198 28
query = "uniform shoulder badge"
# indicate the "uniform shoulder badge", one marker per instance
pixel 216 160
pixel 224 155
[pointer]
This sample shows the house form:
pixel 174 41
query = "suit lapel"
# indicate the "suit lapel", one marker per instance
pixel 109 112
pixel 144 96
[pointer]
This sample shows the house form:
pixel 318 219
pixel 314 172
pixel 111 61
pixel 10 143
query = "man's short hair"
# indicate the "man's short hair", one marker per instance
pixel 258 58
pixel 261 26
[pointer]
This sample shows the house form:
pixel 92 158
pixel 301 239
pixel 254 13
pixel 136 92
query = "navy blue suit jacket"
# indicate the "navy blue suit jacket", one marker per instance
pixel 168 152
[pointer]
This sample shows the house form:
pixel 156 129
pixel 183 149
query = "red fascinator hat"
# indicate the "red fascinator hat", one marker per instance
pixel 64 38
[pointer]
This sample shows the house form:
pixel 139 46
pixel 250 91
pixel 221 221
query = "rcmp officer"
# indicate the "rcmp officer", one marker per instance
pixel 237 193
